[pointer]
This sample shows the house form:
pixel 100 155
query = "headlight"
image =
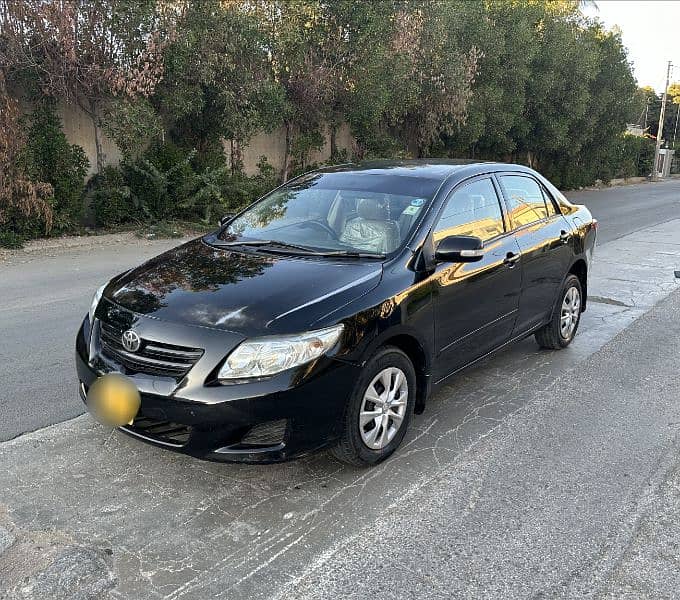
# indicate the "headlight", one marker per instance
pixel 265 356
pixel 95 301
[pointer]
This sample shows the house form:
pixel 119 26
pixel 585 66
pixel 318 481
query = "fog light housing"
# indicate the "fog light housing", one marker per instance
pixel 271 433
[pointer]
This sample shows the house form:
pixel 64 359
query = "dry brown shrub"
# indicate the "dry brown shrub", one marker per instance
pixel 18 194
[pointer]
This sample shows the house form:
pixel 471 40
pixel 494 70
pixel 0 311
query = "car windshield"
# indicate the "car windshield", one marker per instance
pixel 367 213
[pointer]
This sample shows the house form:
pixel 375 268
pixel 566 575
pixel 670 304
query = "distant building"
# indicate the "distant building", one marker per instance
pixel 634 129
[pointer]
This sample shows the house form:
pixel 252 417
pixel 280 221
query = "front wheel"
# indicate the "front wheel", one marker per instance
pixel 380 409
pixel 565 320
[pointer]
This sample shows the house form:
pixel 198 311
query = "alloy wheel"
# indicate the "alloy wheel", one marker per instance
pixel 383 408
pixel 571 310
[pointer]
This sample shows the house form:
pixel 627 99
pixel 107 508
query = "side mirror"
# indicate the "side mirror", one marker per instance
pixel 225 219
pixel 459 248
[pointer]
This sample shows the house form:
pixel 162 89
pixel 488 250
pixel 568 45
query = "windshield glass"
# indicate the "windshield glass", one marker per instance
pixel 370 213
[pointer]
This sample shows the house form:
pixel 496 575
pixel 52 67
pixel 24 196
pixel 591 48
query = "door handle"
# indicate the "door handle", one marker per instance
pixel 511 259
pixel 564 236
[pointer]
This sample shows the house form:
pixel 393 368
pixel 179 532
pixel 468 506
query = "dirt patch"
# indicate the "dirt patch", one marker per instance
pixel 55 245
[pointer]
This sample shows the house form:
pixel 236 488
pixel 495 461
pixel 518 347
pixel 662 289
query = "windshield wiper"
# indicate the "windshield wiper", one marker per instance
pixel 275 243
pixel 301 249
pixel 352 254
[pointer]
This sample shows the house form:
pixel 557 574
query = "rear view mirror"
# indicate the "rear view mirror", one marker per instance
pixel 459 248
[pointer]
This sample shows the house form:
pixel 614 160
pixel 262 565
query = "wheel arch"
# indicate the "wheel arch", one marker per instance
pixel 580 269
pixel 412 347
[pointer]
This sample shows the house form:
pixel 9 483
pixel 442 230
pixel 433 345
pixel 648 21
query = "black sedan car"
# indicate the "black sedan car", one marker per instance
pixel 327 312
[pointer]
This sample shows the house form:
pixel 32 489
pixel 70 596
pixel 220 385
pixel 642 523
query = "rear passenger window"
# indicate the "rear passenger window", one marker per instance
pixel 472 210
pixel 526 203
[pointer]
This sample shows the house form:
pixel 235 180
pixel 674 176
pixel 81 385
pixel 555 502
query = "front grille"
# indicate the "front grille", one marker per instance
pixel 152 358
pixel 165 432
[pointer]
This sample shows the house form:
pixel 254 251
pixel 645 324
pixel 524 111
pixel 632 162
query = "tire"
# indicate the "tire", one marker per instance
pixel 560 331
pixel 384 366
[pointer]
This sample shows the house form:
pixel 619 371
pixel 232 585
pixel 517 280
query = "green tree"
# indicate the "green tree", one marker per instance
pixel 216 83
pixel 292 32
pixel 432 73
pixel 643 100
pixel 506 34
pixel 50 158
pixel 554 90
pixel 355 37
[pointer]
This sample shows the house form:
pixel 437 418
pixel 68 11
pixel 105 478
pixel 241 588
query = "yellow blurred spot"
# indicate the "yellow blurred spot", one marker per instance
pixel 114 400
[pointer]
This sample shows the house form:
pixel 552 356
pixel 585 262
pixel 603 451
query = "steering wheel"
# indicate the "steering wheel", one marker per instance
pixel 322 226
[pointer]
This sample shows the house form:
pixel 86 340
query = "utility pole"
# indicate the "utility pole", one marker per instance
pixel 659 133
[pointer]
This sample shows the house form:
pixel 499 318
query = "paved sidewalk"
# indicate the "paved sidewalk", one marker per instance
pixel 576 495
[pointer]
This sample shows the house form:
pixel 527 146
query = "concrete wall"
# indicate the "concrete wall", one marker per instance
pixel 273 146
pixel 78 129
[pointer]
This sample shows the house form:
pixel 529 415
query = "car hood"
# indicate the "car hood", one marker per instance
pixel 245 292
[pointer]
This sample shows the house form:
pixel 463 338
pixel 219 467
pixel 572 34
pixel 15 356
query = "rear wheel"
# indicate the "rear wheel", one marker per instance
pixel 565 320
pixel 380 409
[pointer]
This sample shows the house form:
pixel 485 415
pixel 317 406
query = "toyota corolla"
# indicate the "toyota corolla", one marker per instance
pixel 326 313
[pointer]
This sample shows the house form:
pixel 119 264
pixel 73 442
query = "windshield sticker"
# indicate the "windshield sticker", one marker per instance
pixel 418 202
pixel 411 210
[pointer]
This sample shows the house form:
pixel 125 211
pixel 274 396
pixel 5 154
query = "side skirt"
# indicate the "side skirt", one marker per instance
pixel 503 345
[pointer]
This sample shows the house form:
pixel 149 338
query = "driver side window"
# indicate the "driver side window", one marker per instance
pixel 474 210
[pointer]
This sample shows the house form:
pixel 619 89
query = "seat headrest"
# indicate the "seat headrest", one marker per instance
pixel 371 210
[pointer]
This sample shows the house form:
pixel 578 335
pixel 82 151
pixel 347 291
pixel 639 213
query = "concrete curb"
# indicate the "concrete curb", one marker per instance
pixel 615 183
pixel 621 183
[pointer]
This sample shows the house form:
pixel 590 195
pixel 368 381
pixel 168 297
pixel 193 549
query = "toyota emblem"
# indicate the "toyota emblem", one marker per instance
pixel 131 341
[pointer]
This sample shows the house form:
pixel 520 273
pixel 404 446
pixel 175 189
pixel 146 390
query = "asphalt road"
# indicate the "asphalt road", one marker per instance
pixel 43 296
pixel 621 210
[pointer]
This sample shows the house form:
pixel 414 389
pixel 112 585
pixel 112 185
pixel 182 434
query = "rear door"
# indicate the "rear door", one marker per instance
pixel 544 237
pixel 475 303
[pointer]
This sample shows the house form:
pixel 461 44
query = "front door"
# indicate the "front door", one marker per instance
pixel 475 303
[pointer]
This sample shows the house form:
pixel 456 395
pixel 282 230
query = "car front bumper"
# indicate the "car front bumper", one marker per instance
pixel 284 417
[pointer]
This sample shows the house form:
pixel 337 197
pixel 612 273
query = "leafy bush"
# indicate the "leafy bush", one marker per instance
pixel 168 182
pixel 220 191
pixel 304 144
pixel 11 239
pixel 160 180
pixel 240 190
pixel 635 156
pixel 50 158
pixel 207 202
pixel 109 199
pixel 131 123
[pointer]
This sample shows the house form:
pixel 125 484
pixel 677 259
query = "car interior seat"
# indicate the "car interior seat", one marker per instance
pixel 371 230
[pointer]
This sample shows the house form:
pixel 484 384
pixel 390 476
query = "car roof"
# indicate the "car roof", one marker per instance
pixel 437 169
